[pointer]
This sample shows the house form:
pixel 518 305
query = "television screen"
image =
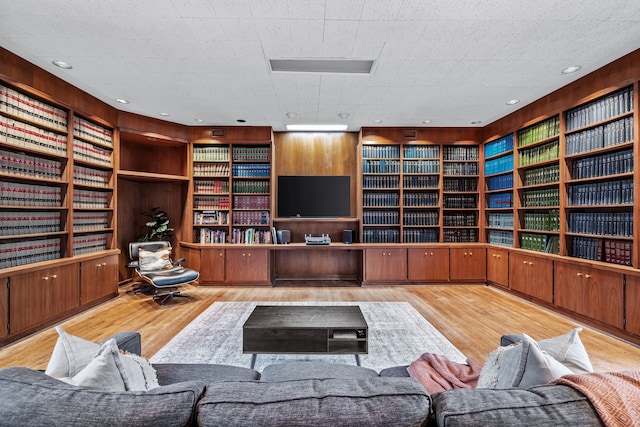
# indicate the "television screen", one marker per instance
pixel 314 196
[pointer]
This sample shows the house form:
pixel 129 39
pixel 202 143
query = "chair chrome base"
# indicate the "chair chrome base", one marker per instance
pixel 165 296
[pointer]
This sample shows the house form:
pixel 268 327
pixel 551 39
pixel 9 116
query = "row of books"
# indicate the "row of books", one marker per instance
pixel 500 237
pixel 380 166
pixel 617 251
pixel 421 218
pixel 604 164
pixel 251 154
pixel 90 221
pixel 90 176
pixel 609 135
pixel 254 187
pixel 421 166
pixel 500 182
pixel 541 198
pixel 211 217
pixel 19 223
pixel 92 132
pixel 90 243
pixel 540 242
pixel 420 199
pixel 602 223
pixel 539 132
pixel 499 165
pixel 211 187
pixel 421 152
pixel 380 235
pixel 588 248
pixel 463 235
pixel 211 202
pixel 539 154
pixel 18 194
pixel 380 151
pixel 467 168
pixel 460 184
pixel 208 235
pixel 542 221
pixel 18 134
pixel 612 105
pixel 91 153
pixel 380 199
pixel 211 169
pixel 20 163
pixel 601 193
pixel 381 217
pixel 500 220
pixel 500 200
pixel 471 152
pixel 13 254
pixel 422 235
pixel 499 146
pixel 251 202
pixel 211 154
pixel 254 170
pixel 459 219
pixel 385 182
pixel 543 175
pixel 87 199
pixel 251 217
pixel 34 110
pixel 250 236
pixel 460 201
pixel 422 181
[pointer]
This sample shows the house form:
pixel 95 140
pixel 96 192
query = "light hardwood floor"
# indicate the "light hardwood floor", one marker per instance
pixel 472 317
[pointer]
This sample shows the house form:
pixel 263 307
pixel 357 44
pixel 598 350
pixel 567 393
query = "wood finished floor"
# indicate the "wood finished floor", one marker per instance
pixel 472 317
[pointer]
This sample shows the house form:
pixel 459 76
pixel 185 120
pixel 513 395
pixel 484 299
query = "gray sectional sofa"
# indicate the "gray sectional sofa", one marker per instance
pixel 289 394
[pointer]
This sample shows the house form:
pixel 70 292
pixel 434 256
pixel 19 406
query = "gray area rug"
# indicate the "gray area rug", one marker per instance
pixel 398 335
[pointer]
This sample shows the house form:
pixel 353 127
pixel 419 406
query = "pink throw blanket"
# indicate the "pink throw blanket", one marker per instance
pixel 616 396
pixel 437 373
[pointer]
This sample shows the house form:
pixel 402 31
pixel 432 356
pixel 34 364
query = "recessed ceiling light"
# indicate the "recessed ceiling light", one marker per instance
pixel 198 120
pixel 164 114
pixel 122 101
pixel 426 122
pixel 62 64
pixel 378 121
pixel 343 115
pixel 513 101
pixel 322 65
pixel 571 69
pixel 292 115
pixel 318 128
pixel 476 122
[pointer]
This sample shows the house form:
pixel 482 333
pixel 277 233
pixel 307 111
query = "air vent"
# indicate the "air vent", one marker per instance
pixel 409 134
pixel 348 66
pixel 217 133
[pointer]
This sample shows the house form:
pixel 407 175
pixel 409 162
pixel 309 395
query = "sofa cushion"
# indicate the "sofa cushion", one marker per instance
pixel 336 402
pixel 314 370
pixel 395 371
pixel 31 398
pixel 169 373
pixel 548 405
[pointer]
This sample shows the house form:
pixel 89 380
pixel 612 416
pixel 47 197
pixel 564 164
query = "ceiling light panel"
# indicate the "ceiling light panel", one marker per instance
pixel 344 66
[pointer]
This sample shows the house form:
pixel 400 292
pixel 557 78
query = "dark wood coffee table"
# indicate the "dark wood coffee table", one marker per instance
pixel 287 329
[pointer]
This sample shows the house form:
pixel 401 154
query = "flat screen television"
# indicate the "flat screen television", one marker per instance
pixel 303 196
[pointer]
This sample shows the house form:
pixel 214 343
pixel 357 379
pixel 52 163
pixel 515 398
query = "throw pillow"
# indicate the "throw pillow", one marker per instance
pixel 70 355
pixel 568 350
pixel 154 260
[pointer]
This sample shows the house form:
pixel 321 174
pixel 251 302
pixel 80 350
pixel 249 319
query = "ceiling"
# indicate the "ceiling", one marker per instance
pixel 206 62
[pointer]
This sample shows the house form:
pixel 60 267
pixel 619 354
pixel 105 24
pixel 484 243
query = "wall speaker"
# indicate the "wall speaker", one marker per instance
pixel 284 237
pixel 347 237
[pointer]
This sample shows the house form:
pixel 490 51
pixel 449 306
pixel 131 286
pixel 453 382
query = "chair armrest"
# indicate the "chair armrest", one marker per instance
pixel 178 261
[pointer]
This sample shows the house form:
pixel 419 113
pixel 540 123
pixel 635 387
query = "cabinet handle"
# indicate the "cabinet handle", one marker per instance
pixel 244 254
pixel 530 263
pixel 579 274
pixel 53 276
pixel 104 264
pixel 249 254
pixel 588 276
pixel 465 254
pixel 431 254
pixel 470 253
pixel 220 253
pixel 45 278
pixel 524 262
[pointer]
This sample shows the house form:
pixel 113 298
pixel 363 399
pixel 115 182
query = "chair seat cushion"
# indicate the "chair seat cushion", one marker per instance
pixel 171 277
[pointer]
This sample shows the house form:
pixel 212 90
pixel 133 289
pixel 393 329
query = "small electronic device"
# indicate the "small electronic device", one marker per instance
pixel 317 240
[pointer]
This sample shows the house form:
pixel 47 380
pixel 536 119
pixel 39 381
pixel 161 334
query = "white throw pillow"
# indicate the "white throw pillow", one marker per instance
pixel 568 350
pixel 70 355
pixel 154 260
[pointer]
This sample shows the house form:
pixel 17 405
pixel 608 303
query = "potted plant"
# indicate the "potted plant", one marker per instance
pixel 157 226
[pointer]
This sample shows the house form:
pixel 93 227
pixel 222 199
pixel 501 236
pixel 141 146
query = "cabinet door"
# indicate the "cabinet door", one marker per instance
pixel 98 278
pixel 212 265
pixel 385 264
pixel 63 293
pixel 531 276
pixel 498 267
pixel 594 293
pixel 631 298
pixel 468 264
pixel 4 308
pixel 428 264
pixel 247 266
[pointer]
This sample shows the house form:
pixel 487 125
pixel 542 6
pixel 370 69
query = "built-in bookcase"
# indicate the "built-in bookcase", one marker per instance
pixel 538 153
pixel 460 202
pixel 599 162
pixel 498 178
pixel 420 193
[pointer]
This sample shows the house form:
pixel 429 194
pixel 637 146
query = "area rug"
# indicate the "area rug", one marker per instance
pixel 398 335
